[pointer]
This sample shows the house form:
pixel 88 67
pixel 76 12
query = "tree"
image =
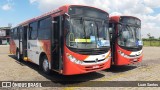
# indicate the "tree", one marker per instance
pixel 152 38
pixel 149 37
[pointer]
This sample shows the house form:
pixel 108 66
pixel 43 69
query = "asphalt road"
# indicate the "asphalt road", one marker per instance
pixel 147 70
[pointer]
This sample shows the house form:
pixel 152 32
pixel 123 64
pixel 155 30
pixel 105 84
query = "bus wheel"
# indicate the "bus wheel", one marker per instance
pixel 18 56
pixel 45 65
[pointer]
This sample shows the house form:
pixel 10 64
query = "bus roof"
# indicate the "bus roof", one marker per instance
pixel 117 17
pixel 63 8
pixel 43 15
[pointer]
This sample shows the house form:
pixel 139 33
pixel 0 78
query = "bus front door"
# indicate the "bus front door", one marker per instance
pixel 24 43
pixel 57 43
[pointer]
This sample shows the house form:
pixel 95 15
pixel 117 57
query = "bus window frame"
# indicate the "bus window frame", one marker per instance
pixel 44 28
pixel 30 31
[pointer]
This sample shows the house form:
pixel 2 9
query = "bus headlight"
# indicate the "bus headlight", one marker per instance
pixel 73 59
pixel 122 54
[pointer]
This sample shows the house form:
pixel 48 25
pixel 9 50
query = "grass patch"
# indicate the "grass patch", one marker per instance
pixel 151 43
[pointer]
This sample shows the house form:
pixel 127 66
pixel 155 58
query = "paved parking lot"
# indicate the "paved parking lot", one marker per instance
pixel 147 70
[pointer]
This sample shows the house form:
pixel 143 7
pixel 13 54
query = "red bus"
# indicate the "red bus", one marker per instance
pixel 126 42
pixel 72 39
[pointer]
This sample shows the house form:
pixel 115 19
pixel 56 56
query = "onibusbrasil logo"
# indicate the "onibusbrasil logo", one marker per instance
pixel 21 84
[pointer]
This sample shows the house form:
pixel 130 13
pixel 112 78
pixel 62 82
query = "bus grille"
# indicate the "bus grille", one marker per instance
pixel 94 61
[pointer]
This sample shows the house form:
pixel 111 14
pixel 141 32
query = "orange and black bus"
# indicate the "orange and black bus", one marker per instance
pixel 126 42
pixel 72 39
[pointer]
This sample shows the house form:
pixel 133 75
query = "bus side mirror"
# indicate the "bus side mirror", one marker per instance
pixel 67 14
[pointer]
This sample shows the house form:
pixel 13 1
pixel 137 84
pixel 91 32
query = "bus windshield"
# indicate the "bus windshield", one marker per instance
pixel 129 36
pixel 87 34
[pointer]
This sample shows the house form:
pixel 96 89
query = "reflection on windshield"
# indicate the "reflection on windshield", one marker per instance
pixel 86 34
pixel 130 36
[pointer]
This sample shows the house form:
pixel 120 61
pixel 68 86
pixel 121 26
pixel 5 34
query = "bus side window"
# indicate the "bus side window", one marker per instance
pixel 33 31
pixel 44 29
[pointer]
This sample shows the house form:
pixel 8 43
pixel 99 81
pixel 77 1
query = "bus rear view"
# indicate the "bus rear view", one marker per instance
pixel 126 42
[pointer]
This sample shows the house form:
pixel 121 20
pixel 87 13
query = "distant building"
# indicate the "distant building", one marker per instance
pixel 4 35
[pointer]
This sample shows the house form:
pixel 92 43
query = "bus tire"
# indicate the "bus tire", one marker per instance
pixel 45 65
pixel 18 56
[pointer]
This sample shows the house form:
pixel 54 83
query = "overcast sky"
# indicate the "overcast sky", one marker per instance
pixel 17 11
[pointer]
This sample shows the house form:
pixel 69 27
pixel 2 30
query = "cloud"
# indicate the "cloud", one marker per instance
pixel 32 1
pixel 7 6
pixel 150 24
pixel 115 13
pixel 143 9
pixel 152 3
pixel 123 6
pixel 47 5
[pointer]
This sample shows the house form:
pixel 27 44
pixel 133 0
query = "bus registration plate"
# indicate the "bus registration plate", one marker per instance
pixel 95 66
